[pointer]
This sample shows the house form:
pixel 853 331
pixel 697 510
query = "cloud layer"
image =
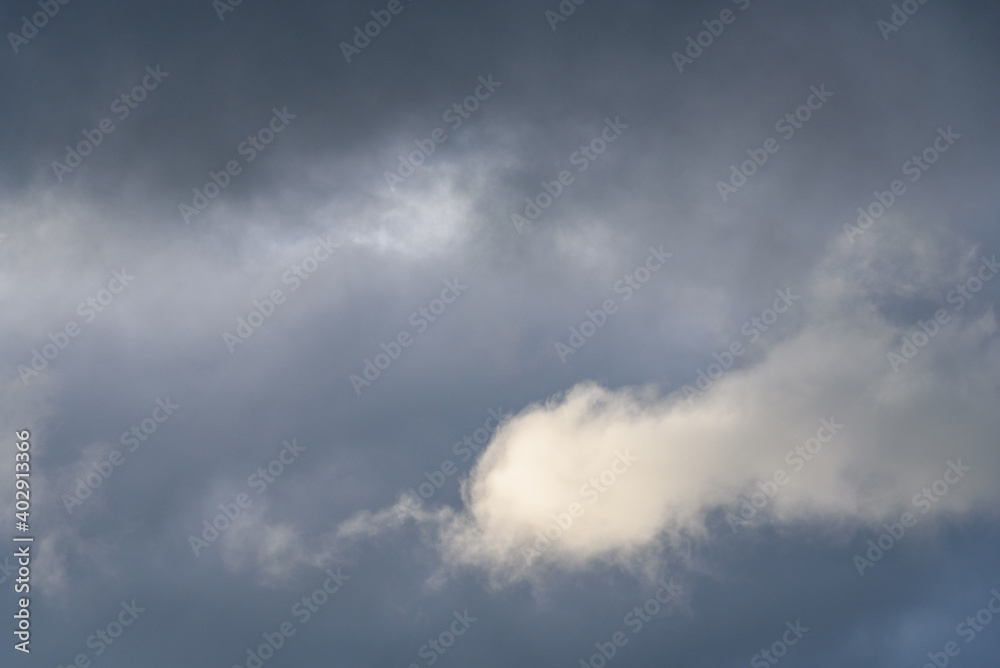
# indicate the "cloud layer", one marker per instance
pixel 608 475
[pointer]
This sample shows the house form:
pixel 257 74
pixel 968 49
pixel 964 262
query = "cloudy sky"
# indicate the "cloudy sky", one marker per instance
pixel 401 333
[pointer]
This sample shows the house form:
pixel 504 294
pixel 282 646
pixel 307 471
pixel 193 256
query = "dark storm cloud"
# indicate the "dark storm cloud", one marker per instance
pixel 492 349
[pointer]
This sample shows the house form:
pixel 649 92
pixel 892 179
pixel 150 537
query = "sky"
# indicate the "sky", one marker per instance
pixel 400 333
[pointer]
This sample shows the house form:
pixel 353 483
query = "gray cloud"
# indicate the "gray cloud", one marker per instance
pixel 494 348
